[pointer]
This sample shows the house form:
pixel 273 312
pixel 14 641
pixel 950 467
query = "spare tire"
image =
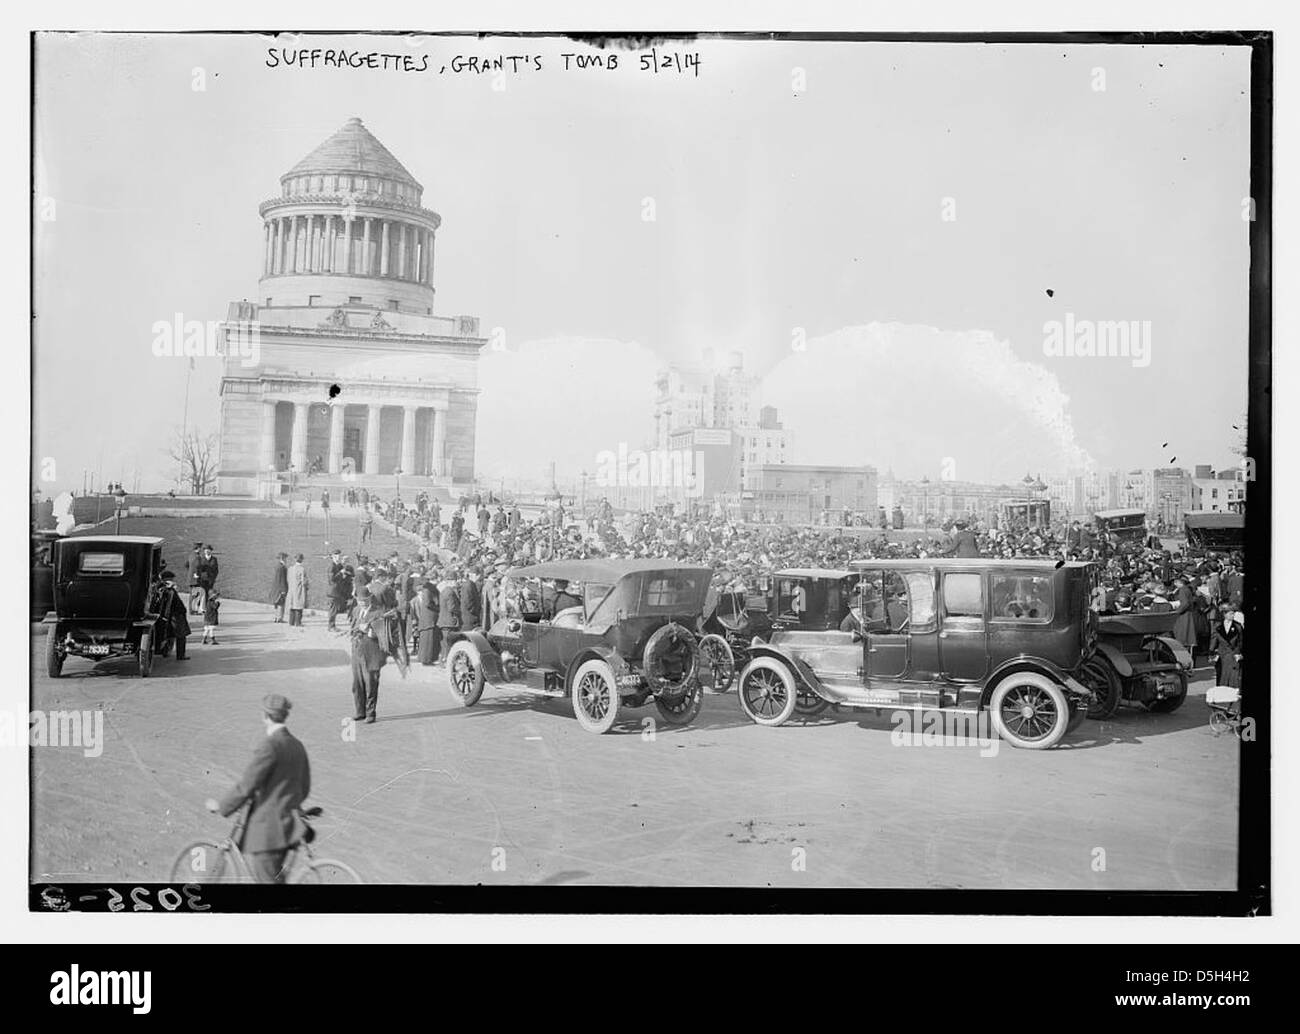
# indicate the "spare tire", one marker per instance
pixel 671 658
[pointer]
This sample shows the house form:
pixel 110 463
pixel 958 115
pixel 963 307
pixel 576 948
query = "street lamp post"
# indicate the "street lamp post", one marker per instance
pixel 120 504
pixel 925 503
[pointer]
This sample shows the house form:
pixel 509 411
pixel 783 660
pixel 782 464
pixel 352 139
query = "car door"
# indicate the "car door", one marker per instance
pixel 963 635
pixel 885 618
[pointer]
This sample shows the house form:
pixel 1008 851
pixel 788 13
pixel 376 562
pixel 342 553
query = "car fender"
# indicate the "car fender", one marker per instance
pixel 487 654
pixel 1044 667
pixel 1179 651
pixel 608 654
pixel 1117 659
pixel 799 668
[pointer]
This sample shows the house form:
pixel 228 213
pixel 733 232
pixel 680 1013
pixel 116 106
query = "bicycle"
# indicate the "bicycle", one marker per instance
pixel 211 861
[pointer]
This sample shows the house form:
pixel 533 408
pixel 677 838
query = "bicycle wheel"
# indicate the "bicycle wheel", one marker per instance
pixel 205 861
pixel 325 871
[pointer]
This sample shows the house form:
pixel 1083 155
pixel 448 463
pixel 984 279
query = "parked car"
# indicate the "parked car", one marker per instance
pixel 1128 526
pixel 795 599
pixel 960 635
pixel 1221 532
pixel 106 595
pixel 1137 662
pixel 629 641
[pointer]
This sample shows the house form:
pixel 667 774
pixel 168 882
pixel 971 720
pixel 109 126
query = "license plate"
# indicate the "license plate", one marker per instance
pixel 95 650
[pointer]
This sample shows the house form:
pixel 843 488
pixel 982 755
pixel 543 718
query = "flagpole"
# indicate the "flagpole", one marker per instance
pixel 185 420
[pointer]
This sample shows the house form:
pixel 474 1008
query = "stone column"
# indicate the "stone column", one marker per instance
pixel 328 266
pixel 267 453
pixel 298 450
pixel 367 264
pixel 439 440
pixel 336 437
pixel 383 250
pixel 401 251
pixel 277 255
pixel 347 245
pixel 293 244
pixel 266 248
pixel 429 271
pixel 408 440
pixel 372 439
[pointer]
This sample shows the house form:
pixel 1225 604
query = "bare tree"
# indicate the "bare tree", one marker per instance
pixel 196 453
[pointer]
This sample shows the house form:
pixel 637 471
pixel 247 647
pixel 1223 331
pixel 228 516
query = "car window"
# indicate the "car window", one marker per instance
pixel 920 591
pixel 101 563
pixel 593 595
pixel 963 594
pixel 1021 597
pixel 791 598
pixel 672 591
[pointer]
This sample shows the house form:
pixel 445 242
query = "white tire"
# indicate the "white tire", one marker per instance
pixel 767 691
pixel 1029 710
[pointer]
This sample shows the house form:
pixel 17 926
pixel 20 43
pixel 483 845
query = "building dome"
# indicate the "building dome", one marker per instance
pixel 353 152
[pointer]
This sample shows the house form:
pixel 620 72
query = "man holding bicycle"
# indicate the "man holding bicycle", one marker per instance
pixel 274 786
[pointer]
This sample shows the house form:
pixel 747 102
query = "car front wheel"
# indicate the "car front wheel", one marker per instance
pixel 595 696
pixel 1029 710
pixel 465 673
pixel 767 691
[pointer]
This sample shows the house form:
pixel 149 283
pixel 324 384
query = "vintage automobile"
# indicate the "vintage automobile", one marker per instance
pixel 1126 525
pixel 628 642
pixel 1214 532
pixel 42 585
pixel 1137 662
pixel 106 591
pixel 806 598
pixel 960 635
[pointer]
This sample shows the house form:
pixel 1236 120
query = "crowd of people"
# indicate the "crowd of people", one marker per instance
pixel 453 574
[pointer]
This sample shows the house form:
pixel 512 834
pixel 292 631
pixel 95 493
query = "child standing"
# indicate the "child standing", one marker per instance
pixel 210 609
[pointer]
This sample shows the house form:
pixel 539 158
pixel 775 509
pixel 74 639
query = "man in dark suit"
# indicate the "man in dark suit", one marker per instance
pixel 368 654
pixel 471 612
pixel 338 591
pixel 274 785
pixel 280 586
pixel 448 614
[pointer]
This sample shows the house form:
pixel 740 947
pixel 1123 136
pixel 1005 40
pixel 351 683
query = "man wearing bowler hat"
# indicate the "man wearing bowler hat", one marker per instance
pixel 274 785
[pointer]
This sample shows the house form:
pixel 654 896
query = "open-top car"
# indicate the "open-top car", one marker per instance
pixel 807 599
pixel 1137 662
pixel 960 635
pixel 107 601
pixel 614 633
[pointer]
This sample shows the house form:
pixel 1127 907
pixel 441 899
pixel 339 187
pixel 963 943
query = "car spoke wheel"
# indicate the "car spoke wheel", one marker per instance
pixel 1107 690
pixel 717 664
pixel 53 655
pixel 681 708
pixel 1172 703
pixel 767 691
pixel 465 673
pixel 595 696
pixel 1029 710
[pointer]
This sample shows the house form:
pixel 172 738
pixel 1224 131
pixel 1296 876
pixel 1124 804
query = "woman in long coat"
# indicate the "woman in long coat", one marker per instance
pixel 1226 648
pixel 1185 607
pixel 297 600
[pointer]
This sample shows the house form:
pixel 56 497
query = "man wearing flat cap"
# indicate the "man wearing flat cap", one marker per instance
pixel 274 785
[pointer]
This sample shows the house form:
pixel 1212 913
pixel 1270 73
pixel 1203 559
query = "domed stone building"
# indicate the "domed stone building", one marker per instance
pixel 352 376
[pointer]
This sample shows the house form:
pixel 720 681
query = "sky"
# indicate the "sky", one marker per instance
pixel 885 229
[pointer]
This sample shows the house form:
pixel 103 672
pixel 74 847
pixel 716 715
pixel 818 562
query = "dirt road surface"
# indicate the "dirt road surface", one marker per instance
pixel 512 791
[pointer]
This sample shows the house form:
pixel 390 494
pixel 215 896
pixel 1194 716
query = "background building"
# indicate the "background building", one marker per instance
pixel 355 371
pixel 796 493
